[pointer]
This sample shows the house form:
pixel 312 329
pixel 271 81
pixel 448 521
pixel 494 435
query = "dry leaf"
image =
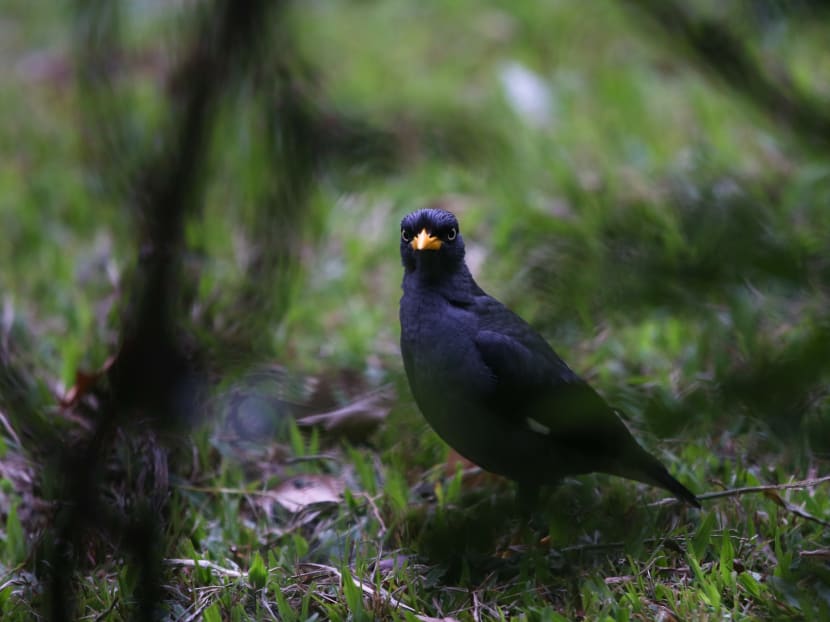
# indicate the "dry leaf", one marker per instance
pixel 472 476
pixel 84 381
pixel 303 490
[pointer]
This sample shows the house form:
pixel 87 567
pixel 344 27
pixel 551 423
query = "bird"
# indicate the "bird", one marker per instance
pixel 492 387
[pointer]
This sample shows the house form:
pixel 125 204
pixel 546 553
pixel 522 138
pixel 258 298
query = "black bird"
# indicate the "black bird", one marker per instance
pixel 492 387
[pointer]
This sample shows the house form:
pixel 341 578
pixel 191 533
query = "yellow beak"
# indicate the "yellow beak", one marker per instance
pixel 424 241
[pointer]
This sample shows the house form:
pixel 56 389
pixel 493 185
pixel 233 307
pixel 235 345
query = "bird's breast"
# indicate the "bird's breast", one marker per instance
pixel 447 376
pixel 438 340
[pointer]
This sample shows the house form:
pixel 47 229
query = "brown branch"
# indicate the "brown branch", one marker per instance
pixel 736 492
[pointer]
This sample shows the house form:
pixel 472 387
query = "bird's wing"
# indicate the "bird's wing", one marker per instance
pixel 532 383
pixel 514 351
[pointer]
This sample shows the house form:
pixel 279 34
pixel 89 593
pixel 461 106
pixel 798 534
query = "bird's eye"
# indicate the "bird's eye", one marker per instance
pixel 405 235
pixel 452 234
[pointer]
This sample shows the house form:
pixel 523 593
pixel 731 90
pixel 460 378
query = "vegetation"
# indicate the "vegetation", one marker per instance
pixel 251 451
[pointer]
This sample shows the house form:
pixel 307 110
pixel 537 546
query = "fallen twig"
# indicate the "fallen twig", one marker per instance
pixel 203 563
pixel 364 587
pixel 737 492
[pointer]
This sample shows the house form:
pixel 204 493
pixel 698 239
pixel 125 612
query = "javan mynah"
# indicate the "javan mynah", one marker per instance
pixel 492 387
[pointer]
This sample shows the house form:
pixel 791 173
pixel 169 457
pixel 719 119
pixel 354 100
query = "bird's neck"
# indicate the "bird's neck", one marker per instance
pixel 454 285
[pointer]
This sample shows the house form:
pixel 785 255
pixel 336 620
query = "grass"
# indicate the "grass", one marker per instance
pixel 667 238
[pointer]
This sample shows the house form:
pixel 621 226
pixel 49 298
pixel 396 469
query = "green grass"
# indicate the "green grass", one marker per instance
pixel 666 237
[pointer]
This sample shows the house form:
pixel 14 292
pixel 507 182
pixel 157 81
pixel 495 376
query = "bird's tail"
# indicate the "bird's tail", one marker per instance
pixel 650 470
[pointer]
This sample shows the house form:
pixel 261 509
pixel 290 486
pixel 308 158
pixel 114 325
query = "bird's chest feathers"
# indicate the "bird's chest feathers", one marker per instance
pixel 437 341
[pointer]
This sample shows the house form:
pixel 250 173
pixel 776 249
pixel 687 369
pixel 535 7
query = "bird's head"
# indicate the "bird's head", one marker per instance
pixel 431 242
